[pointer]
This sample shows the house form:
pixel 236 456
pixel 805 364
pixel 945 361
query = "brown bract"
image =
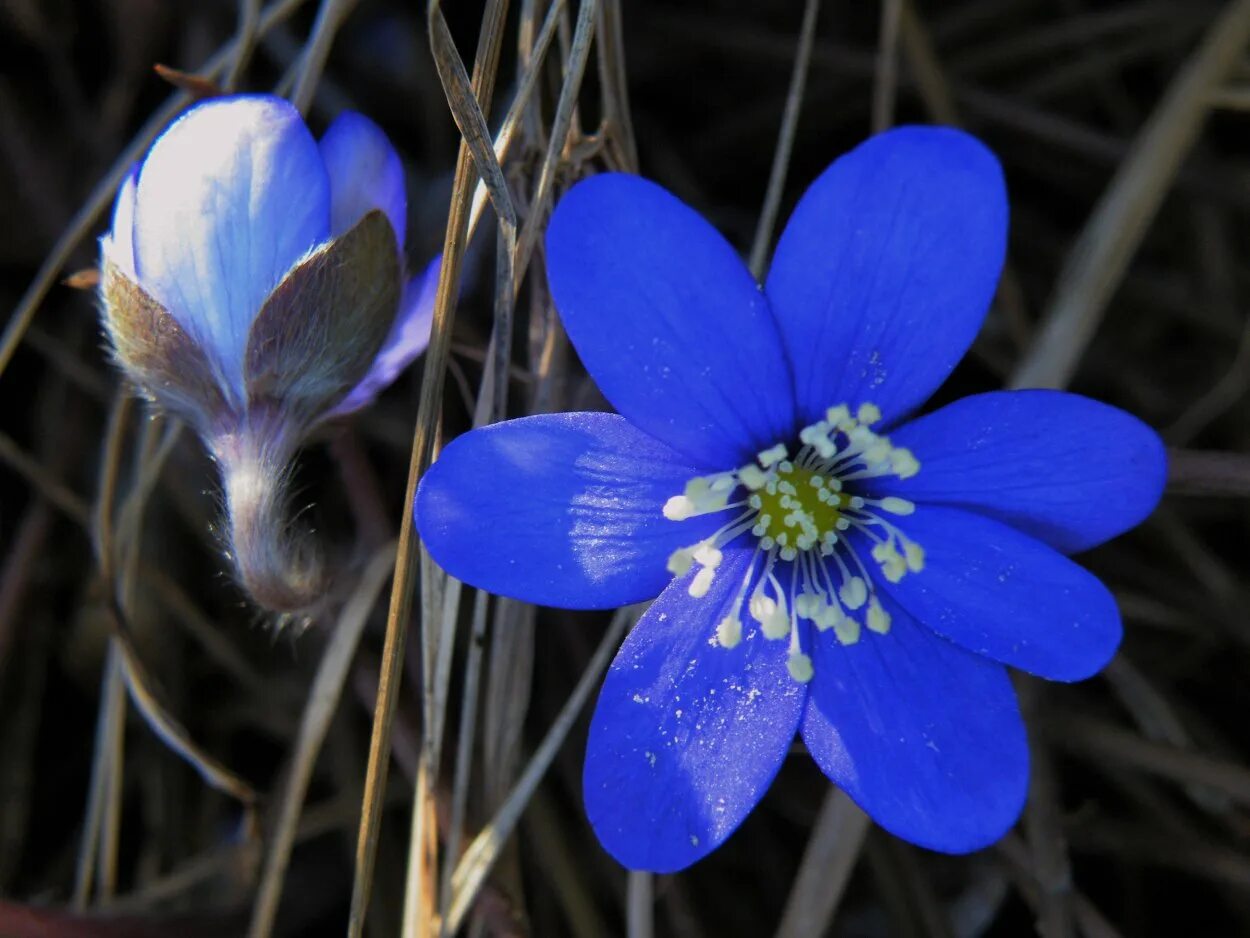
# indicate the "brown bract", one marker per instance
pixel 322 327
pixel 156 353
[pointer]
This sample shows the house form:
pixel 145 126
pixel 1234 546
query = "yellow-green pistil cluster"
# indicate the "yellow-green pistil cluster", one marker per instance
pixel 800 510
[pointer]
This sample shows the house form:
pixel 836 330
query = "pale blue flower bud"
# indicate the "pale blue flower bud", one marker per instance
pixel 253 284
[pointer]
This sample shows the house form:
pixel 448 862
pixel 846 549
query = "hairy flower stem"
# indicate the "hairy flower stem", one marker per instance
pixel 275 561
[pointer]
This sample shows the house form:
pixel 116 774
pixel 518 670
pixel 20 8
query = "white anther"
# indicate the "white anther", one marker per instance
pixel 701 583
pixel 853 592
pixel 679 508
pixel 708 555
pixel 807 604
pixel 896 506
pixel 878 620
pixel 868 413
pixel 773 619
pixel 838 415
pixel 893 566
pixel 761 607
pixel 904 463
pixel 753 477
pixel 847 630
pixel 828 615
pixel 915 556
pixel 877 452
pixel 800 667
pixel 729 631
pixel 773 455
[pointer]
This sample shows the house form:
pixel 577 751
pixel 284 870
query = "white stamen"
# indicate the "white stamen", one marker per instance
pixel 800 667
pixel 847 630
pixel 878 620
pixel 853 592
pixel 701 583
pixel 896 506
pixel 797 508
pixel 868 413
pixel 679 508
pixel 729 631
pixel 770 457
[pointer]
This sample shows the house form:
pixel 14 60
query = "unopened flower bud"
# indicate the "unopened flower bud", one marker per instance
pixel 253 284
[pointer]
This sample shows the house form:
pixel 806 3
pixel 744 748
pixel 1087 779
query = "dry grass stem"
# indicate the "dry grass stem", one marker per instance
pixel 828 861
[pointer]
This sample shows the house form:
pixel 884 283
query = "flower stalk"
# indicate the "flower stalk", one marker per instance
pixel 276 561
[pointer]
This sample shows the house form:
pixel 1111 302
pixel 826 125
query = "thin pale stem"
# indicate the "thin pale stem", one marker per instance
pixel 785 140
pixel 429 407
pixel 244 42
pixel 330 16
pixel 1101 255
pixel 323 699
pixel 885 87
pixel 464 749
pixel 108 722
pixel 826 867
pixel 482 853
pixel 640 905
pixel 579 54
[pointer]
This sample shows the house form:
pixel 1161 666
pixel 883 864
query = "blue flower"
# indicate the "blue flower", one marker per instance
pixel 825 564
pixel 251 267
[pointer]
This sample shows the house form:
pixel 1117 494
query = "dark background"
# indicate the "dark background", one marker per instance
pixel 1139 822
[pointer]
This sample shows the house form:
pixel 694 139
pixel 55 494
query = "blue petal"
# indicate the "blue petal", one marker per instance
pixel 118 245
pixel 687 735
pixel 1004 595
pixel 668 321
pixel 230 197
pixel 1070 471
pixel 365 173
pixel 558 509
pixel 924 736
pixel 885 270
pixel 408 338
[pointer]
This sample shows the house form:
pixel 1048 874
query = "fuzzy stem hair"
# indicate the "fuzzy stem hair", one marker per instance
pixel 275 561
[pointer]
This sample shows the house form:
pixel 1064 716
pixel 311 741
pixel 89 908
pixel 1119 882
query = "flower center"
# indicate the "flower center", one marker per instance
pixel 800 507
pixel 800 511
